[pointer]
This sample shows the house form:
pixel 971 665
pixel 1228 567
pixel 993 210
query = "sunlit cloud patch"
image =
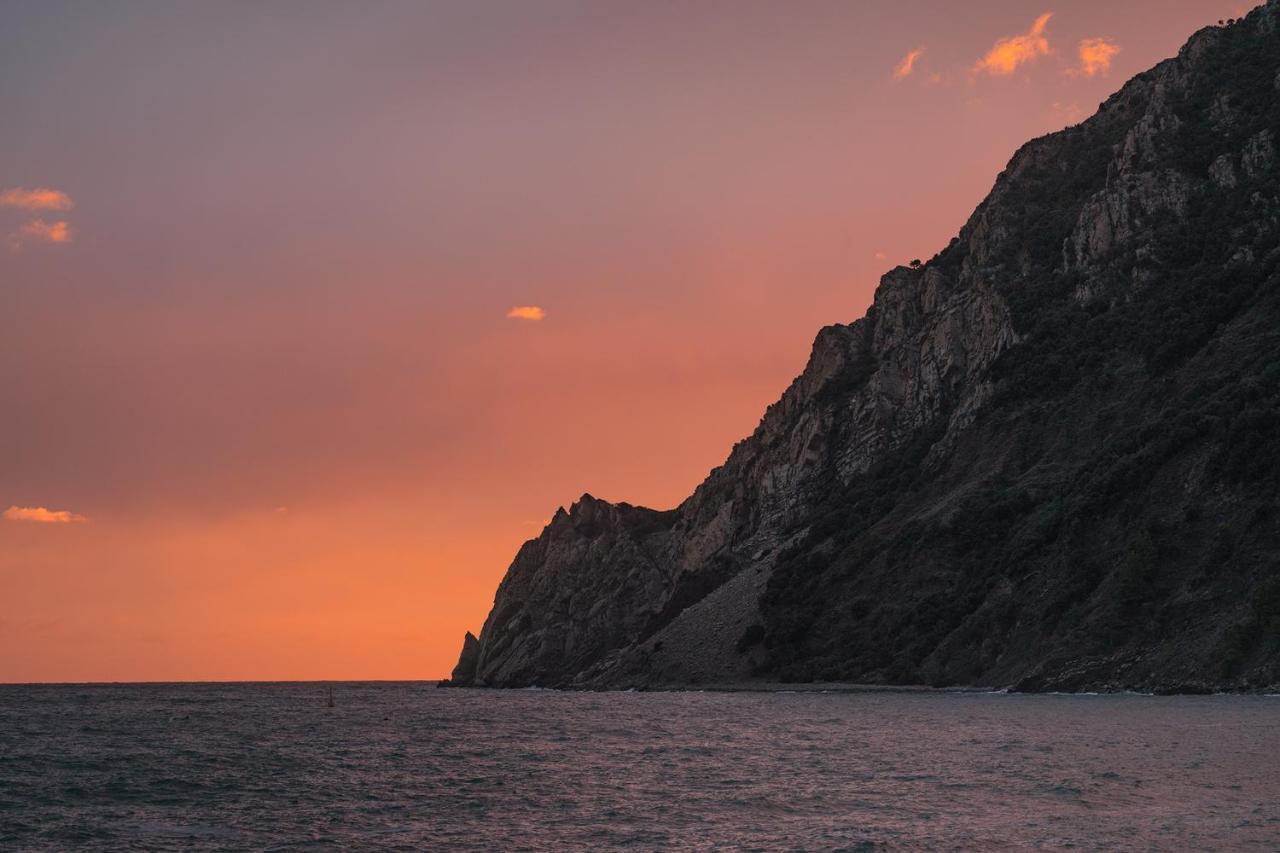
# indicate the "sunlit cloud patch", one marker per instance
pixel 40 231
pixel 41 515
pixel 1095 56
pixel 526 312
pixel 40 198
pixel 1010 53
pixel 908 64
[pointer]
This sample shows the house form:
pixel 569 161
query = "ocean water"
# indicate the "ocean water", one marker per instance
pixel 404 766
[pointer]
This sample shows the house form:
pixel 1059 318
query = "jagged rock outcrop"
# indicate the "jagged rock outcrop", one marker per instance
pixel 468 658
pixel 556 611
pixel 1047 458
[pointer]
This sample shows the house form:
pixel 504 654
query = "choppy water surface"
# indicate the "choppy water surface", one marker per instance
pixel 236 766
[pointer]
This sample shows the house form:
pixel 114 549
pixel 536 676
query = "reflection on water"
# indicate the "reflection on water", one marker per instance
pixel 233 766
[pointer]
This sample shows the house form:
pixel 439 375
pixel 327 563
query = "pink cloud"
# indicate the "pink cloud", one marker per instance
pixel 40 198
pixel 907 65
pixel 1095 56
pixel 40 231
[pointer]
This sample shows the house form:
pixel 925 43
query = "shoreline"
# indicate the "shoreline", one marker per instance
pixel 778 687
pixel 832 688
pixel 811 687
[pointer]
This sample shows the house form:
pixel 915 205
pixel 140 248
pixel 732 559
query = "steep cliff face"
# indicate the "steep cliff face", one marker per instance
pixel 1049 457
pixel 557 611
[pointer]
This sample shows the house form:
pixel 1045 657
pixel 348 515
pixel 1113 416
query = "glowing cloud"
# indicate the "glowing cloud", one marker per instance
pixel 1095 56
pixel 39 231
pixel 526 312
pixel 908 64
pixel 41 515
pixel 1008 53
pixel 40 198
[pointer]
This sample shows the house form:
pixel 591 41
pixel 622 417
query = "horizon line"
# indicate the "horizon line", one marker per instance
pixel 224 681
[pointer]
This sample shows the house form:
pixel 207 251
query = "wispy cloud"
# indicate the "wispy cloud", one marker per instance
pixel 40 231
pixel 41 515
pixel 1008 53
pixel 40 198
pixel 1095 56
pixel 526 312
pixel 908 64
pixel 1068 113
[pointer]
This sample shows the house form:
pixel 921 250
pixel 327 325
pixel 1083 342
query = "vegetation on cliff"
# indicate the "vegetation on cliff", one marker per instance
pixel 1049 457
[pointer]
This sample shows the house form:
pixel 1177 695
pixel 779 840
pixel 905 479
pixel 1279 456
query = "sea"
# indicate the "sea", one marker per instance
pixel 406 766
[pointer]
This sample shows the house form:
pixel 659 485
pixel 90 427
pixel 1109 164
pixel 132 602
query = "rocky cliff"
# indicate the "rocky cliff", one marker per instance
pixel 1048 458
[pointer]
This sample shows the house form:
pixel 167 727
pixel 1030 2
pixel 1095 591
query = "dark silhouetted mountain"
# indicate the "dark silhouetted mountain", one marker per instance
pixel 1048 458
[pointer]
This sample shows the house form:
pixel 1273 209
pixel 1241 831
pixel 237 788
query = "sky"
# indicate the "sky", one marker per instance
pixel 311 313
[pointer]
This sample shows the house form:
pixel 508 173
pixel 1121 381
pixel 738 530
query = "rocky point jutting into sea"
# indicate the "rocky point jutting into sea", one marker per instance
pixel 1046 459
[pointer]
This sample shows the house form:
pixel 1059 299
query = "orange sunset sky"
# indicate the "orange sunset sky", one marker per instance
pixel 311 313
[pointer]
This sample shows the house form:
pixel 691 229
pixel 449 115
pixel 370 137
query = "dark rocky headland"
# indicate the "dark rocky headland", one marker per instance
pixel 1046 459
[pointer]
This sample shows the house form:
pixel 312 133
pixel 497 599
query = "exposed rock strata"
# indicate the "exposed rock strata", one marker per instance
pixel 1048 457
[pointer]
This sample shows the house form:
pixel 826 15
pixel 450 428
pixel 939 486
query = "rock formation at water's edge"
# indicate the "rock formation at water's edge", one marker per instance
pixel 1047 459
